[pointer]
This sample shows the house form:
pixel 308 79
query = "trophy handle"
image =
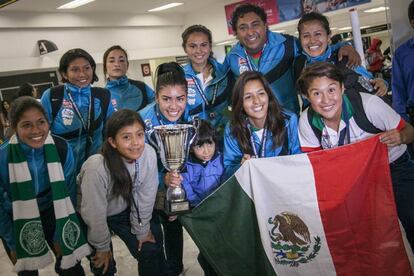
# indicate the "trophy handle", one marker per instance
pixel 149 130
pixel 195 123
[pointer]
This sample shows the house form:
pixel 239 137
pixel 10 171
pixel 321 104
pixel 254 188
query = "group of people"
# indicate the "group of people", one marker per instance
pixel 79 165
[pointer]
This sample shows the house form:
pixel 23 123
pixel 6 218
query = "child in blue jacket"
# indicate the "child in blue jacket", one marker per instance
pixel 202 174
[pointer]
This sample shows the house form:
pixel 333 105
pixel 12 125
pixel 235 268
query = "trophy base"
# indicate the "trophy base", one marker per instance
pixel 176 208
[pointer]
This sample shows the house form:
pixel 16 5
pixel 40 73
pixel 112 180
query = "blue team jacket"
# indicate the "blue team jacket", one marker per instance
pixel 126 95
pixel 233 153
pixel 67 121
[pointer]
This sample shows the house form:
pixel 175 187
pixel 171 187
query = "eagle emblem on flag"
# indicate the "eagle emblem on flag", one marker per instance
pixel 291 240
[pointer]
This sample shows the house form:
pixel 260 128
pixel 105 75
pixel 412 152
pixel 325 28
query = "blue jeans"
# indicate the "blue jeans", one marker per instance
pixel 402 174
pixel 174 244
pixel 151 259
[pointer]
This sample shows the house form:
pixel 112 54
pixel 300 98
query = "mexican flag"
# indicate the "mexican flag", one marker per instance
pixel 329 212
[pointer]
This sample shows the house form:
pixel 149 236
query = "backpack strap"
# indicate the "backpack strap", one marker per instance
pixel 298 65
pixel 104 96
pixel 141 86
pixel 286 62
pixel 359 115
pixel 62 148
pixel 285 148
pixel 56 99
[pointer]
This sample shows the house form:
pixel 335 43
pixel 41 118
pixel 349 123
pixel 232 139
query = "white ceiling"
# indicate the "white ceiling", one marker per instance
pixel 133 7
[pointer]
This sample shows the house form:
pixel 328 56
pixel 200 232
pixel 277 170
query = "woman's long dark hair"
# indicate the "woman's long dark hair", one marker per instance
pixel 274 120
pixel 113 160
pixel 169 74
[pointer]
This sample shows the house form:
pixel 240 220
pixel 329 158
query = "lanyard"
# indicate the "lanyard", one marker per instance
pixel 203 95
pixel 136 173
pixel 262 142
pixel 345 132
pixel 85 126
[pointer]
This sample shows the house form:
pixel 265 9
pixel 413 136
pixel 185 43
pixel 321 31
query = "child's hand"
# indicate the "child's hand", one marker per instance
pixel 245 157
pixel 173 179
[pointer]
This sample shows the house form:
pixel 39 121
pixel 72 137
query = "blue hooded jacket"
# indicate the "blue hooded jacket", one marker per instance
pixel 273 52
pixel 67 121
pixel 125 94
pixel 233 153
pixel 41 184
pixel 200 180
pixel 221 85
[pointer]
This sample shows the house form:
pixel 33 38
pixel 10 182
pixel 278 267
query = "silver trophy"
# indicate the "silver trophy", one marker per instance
pixel 173 144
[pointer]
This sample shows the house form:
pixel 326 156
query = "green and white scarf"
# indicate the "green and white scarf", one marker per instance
pixel 31 247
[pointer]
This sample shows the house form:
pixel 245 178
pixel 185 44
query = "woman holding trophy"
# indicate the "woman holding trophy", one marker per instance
pixel 116 193
pixel 169 108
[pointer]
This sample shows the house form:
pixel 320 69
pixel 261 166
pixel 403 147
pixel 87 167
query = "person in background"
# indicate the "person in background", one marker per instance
pixel 116 193
pixel 259 126
pixel 27 89
pixel 314 36
pixel 270 53
pixel 202 174
pixel 403 75
pixel 77 111
pixel 4 119
pixel 125 92
pixel 169 108
pixel 375 57
pixel 333 119
pixel 37 175
pixel 209 82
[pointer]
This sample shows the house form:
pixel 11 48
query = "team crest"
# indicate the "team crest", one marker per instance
pixel 291 241
pixel 71 233
pixel 243 67
pixel 67 104
pixel 191 95
pixel 67 116
pixel 32 238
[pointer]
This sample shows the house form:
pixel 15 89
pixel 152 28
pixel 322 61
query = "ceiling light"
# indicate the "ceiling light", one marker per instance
pixel 225 42
pixel 334 28
pixel 345 28
pixel 279 31
pixel 377 9
pixel 74 4
pixel 168 6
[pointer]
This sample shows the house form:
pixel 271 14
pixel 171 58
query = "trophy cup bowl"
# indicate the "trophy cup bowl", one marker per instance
pixel 174 143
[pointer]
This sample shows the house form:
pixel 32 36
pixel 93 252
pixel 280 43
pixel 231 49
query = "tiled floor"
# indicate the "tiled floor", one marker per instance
pixel 126 265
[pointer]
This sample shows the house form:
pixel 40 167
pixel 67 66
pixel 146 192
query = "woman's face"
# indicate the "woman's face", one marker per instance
pixel 32 128
pixel 6 105
pixel 116 64
pixel 129 141
pixel 198 48
pixel 314 38
pixel 255 102
pixel 325 96
pixel 171 101
pixel 79 72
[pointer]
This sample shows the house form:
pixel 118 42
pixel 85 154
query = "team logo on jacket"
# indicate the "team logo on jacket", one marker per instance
pixel 114 104
pixel 243 65
pixel 67 116
pixel 66 104
pixel 191 94
pixel 32 238
pixel 291 241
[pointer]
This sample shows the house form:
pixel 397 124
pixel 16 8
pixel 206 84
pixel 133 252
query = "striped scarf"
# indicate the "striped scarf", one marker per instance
pixel 31 247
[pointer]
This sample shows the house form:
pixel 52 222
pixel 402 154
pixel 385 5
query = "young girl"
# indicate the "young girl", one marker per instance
pixel 125 92
pixel 209 82
pixel 202 174
pixel 37 184
pixel 116 193
pixel 334 119
pixel 169 108
pixel 77 111
pixel 259 126
pixel 314 35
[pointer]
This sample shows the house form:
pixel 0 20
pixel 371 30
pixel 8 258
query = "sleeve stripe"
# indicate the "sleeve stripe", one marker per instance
pixel 401 125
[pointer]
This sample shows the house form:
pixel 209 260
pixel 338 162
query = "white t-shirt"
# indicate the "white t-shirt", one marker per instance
pixel 378 113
